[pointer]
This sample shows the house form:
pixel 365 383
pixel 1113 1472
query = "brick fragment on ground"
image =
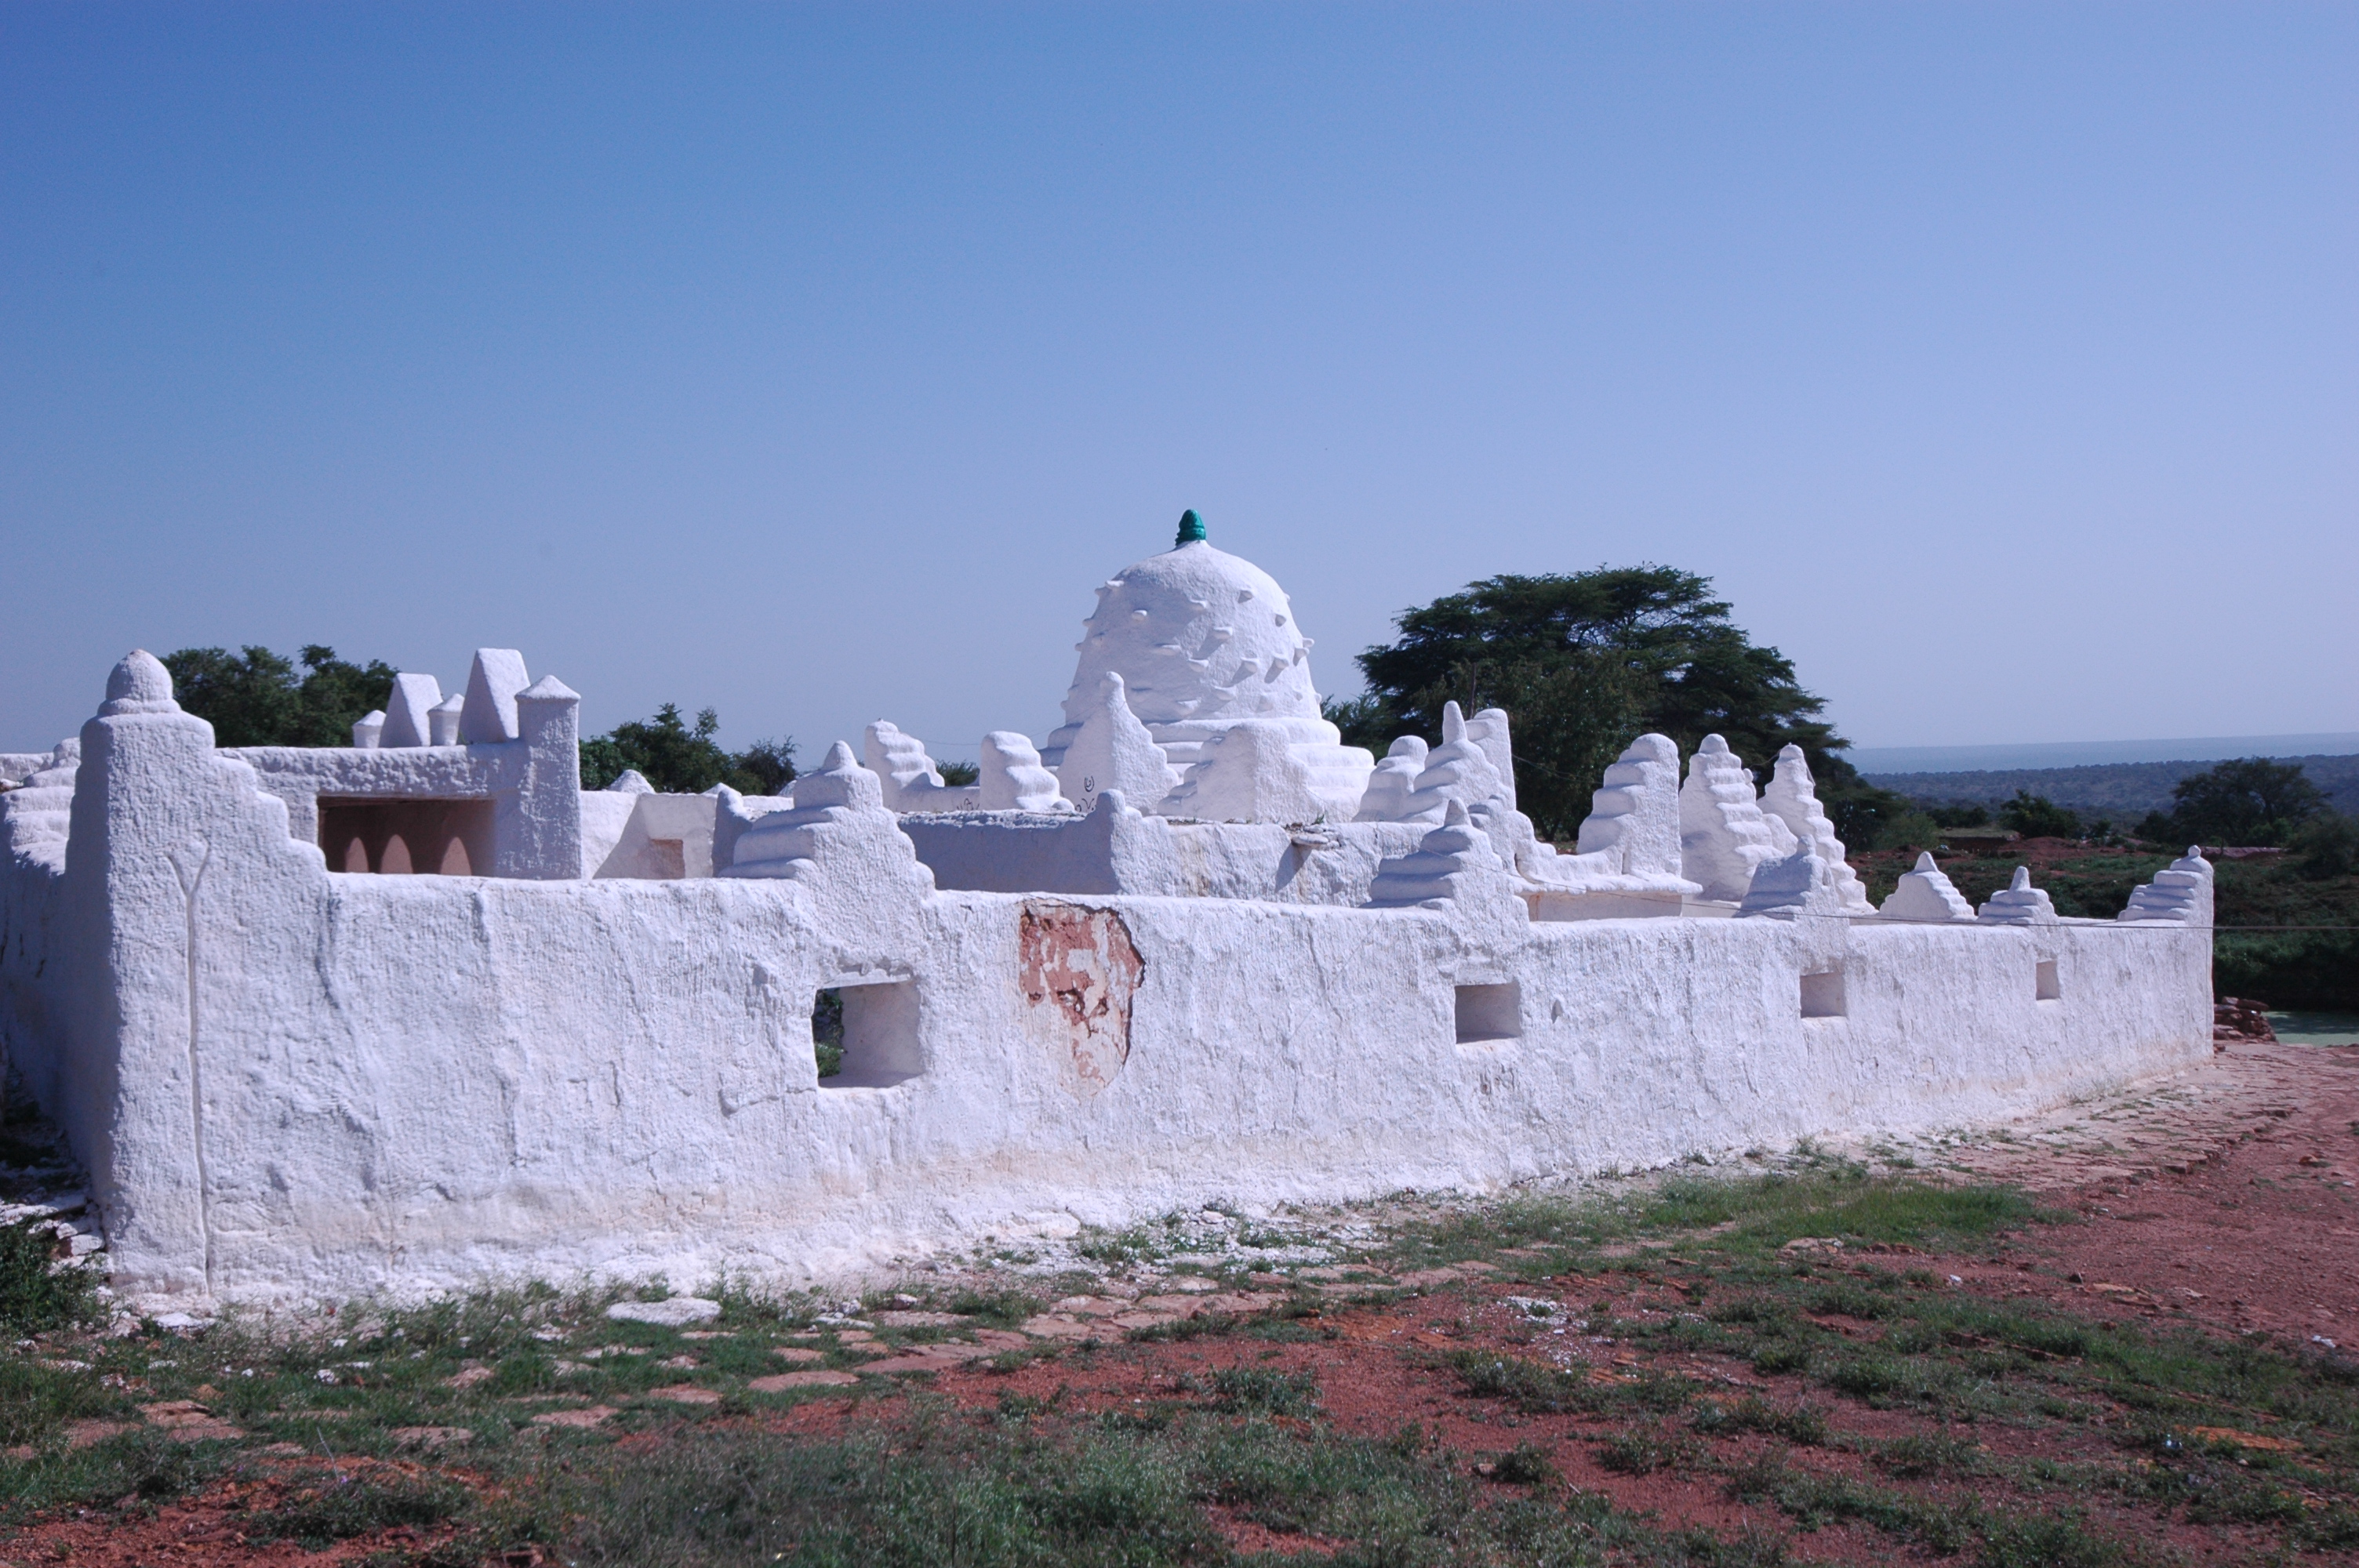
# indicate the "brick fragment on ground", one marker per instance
pixel 1051 1326
pixel 185 1421
pixel 431 1439
pixel 817 1378
pixel 83 1433
pixel 597 1415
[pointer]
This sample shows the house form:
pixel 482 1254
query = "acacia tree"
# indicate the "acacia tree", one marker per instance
pixel 1586 663
pixel 2249 801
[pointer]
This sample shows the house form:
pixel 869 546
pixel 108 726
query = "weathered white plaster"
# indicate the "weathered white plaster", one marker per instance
pixel 1626 860
pixel 1248 772
pixel 1112 751
pixel 1724 836
pixel 446 719
pixel 911 781
pixel 2019 904
pixel 487 712
pixel 1393 782
pixel 408 712
pixel 1925 893
pixel 1802 884
pixel 1012 779
pixel 369 729
pixel 659 836
pixel 1201 640
pixel 1792 798
pixel 2181 893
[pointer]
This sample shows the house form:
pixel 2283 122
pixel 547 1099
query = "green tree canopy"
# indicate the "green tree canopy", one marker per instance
pixel 1586 663
pixel 254 698
pixel 2036 817
pixel 2250 801
pixel 678 758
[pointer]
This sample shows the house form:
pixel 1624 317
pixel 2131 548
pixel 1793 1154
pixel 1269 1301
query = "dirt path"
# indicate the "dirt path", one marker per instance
pixel 2229 1197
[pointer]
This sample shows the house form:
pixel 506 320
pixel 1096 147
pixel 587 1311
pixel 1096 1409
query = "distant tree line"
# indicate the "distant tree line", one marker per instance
pixel 256 697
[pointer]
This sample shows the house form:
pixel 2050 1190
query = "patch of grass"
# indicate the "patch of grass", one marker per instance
pixel 34 1399
pixel 143 1467
pixel 1531 1387
pixel 1919 1457
pixel 1746 1215
pixel 1815 1500
pixel 1804 1425
pixel 1526 1464
pixel 332 1508
pixel 1260 1389
pixel 1000 1309
pixel 2045 1540
pixel 1642 1450
pixel 33 1300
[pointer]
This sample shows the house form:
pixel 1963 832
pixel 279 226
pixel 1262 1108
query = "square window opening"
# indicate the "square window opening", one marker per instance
pixel 865 1036
pixel 1490 1012
pixel 2044 983
pixel 1823 994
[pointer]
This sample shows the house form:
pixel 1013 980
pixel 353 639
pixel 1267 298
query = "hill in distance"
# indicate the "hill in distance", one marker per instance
pixel 2121 791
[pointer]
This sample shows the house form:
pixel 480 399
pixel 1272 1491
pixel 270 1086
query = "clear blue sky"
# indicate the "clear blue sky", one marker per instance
pixel 1999 363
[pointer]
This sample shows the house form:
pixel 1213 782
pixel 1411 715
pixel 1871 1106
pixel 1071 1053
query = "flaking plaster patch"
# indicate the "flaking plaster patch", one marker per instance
pixel 1078 970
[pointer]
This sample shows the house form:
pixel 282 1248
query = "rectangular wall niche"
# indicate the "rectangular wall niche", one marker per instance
pixel 422 838
pixel 2043 981
pixel 868 1034
pixel 1823 994
pixel 1490 1012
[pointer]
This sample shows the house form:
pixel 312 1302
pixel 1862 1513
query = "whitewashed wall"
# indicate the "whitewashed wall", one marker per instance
pixel 390 1083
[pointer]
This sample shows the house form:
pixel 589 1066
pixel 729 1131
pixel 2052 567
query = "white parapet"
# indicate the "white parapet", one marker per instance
pixel 408 712
pixel 2018 903
pixel 488 716
pixel 1112 749
pixel 1723 835
pixel 1792 798
pixel 2182 892
pixel 445 720
pixel 910 780
pixel 1012 779
pixel 293 1083
pixel 1925 895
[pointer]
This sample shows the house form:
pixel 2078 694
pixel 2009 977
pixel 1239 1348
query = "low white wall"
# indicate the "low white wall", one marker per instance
pixel 465 1080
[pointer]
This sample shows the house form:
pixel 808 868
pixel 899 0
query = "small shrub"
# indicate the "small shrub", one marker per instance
pixel 1915 1458
pixel 1528 1464
pixel 2044 1540
pixel 33 1300
pixel 1642 1450
pixel 355 1505
pixel 1261 1388
pixel 1530 1386
pixel 1804 1425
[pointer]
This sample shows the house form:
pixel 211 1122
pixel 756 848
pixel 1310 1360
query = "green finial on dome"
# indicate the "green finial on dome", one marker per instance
pixel 1191 529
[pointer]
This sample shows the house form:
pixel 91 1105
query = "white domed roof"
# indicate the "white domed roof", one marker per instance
pixel 1200 638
